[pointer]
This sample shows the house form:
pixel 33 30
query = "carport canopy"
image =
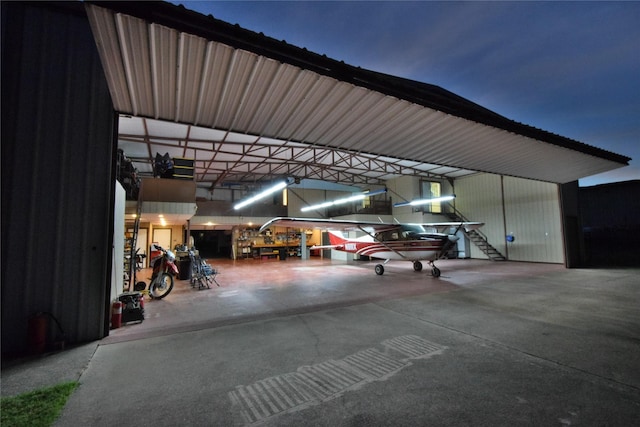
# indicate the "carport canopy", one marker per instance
pixel 248 108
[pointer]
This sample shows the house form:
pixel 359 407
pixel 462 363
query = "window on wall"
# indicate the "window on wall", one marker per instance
pixel 366 202
pixel 430 190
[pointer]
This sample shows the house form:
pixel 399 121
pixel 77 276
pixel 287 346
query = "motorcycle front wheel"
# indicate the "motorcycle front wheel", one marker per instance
pixel 160 287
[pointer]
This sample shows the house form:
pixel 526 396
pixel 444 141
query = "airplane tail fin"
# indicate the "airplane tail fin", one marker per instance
pixel 336 239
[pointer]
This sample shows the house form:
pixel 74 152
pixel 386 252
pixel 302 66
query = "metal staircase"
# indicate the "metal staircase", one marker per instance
pixel 477 237
pixel 480 240
pixel 132 264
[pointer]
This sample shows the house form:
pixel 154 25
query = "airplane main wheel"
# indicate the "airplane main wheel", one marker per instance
pixel 417 266
pixel 379 269
pixel 435 272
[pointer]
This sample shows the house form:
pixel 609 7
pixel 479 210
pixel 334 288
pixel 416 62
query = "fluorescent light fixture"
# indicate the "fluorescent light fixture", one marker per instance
pixel 319 206
pixel 424 201
pixel 370 193
pixel 353 198
pixel 263 194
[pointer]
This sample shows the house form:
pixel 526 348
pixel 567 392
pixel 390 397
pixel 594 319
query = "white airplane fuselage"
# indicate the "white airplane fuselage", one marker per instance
pixel 426 247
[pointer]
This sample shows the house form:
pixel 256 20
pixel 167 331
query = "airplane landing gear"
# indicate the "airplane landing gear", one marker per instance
pixel 379 269
pixel 435 271
pixel 417 266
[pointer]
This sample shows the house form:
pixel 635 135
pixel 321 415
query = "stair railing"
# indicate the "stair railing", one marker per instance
pixel 456 215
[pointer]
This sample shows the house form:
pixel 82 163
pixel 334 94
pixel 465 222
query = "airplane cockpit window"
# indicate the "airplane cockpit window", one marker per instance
pixel 410 235
pixel 412 231
pixel 388 235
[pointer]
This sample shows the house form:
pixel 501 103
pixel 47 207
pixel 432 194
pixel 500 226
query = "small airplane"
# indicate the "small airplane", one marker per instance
pixel 387 241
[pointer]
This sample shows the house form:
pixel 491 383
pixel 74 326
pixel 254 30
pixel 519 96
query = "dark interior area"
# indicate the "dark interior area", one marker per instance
pixel 212 243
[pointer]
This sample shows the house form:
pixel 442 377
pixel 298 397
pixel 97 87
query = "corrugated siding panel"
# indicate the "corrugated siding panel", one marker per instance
pixel 218 58
pixel 237 79
pixel 359 137
pixel 533 217
pixel 479 198
pixel 251 106
pixel 137 63
pixel 307 112
pixel 277 76
pixel 191 59
pixel 164 66
pixel 346 105
pixel 57 185
pixel 106 36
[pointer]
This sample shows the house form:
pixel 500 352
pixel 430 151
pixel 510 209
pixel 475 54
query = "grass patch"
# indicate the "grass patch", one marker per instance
pixel 39 408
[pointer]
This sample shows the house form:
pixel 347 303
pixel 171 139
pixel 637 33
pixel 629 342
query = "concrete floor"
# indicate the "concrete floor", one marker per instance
pixel 331 343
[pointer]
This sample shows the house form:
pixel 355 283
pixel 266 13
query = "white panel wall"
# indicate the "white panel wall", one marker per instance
pixel 479 198
pixel 301 197
pixel 405 189
pixel 530 210
pixel 117 271
pixel 533 217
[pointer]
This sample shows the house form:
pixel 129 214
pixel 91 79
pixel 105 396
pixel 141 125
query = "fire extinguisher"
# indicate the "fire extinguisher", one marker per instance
pixel 37 333
pixel 116 315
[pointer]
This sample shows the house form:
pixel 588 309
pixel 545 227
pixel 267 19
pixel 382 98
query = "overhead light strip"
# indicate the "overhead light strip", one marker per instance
pixel 419 202
pixel 353 198
pixel 277 187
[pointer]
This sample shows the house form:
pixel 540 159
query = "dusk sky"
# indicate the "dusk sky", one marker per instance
pixel 571 68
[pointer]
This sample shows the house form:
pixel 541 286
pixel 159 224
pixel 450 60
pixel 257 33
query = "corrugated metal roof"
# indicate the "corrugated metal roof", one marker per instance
pixel 248 107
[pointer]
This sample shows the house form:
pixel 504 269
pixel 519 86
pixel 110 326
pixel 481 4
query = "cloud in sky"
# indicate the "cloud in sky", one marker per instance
pixel 571 68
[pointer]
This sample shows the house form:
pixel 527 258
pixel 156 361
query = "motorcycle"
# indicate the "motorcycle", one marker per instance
pixel 164 269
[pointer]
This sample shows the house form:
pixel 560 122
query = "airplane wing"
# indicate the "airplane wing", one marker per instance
pixel 330 224
pixel 351 225
pixel 468 225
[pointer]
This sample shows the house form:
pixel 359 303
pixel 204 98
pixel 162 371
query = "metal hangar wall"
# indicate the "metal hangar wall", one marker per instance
pixel 58 146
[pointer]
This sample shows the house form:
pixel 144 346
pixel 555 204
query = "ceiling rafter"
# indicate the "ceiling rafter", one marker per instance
pixel 267 160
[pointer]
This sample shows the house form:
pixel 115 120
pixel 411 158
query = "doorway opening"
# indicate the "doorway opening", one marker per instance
pixel 212 243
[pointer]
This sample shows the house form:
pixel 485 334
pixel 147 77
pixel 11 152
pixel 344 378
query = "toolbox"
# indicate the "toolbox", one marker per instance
pixel 132 307
pixel 183 168
pixel 181 172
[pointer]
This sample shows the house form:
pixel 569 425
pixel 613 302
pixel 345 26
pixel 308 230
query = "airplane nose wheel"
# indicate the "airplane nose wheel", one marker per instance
pixel 379 269
pixel 417 266
pixel 435 272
